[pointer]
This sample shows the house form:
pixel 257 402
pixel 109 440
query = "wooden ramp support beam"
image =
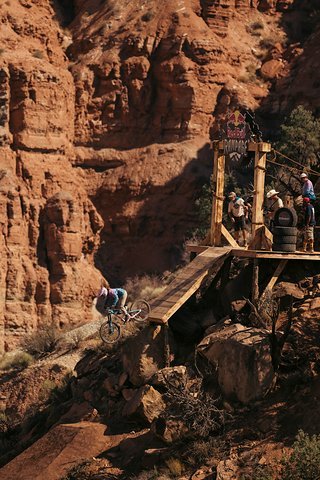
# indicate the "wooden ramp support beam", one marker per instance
pixel 227 235
pixel 275 277
pixel 187 282
pixel 218 198
pixel 260 160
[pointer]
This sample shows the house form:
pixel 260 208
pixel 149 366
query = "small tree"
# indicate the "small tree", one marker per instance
pixel 300 137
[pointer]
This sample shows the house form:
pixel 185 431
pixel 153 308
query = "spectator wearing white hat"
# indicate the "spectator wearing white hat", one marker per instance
pixel 307 187
pixel 273 204
pixel 237 210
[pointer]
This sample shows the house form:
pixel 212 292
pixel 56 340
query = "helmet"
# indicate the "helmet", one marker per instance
pixel 303 175
pixel 306 200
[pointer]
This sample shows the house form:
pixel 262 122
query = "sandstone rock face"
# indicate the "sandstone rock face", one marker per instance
pixel 114 114
pixel 58 450
pixel 243 360
pixel 144 355
pixel 170 429
pixel 146 405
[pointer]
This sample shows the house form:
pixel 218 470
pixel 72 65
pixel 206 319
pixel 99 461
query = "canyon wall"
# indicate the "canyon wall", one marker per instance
pixel 106 113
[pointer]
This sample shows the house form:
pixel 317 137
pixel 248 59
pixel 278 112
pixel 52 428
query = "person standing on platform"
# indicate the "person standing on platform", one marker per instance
pixel 309 223
pixel 273 204
pixel 237 211
pixel 307 187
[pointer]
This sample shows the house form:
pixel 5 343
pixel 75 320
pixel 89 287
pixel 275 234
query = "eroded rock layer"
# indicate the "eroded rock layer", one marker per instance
pixel 106 112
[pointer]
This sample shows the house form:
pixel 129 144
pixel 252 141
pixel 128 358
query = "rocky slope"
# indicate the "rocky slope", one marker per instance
pixel 105 119
pixel 122 413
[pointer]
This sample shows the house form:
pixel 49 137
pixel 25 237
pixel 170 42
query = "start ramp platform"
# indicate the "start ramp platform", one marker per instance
pixel 187 282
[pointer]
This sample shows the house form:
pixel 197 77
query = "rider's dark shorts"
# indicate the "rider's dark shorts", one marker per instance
pixel 239 223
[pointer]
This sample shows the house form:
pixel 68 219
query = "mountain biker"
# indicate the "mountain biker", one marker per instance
pixel 112 297
pixel 237 211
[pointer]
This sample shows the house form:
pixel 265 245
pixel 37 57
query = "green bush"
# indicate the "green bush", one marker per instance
pixel 300 136
pixel 304 461
pixel 17 360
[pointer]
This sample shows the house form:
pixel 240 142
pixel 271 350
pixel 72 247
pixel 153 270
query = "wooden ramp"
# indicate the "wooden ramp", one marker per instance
pixel 187 282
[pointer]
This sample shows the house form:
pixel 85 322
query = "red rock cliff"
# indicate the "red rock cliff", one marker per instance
pixel 107 122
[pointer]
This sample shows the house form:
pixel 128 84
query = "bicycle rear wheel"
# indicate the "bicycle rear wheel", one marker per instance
pixel 109 332
pixel 144 308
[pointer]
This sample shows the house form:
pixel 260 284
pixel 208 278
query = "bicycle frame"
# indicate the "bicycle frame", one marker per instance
pixel 119 313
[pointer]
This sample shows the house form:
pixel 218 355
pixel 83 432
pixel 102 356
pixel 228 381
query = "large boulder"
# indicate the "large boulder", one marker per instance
pixel 170 376
pixel 242 357
pixel 146 405
pixel 144 354
pixel 170 429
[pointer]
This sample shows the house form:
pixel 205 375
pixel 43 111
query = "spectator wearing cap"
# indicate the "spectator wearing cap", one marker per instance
pixel 273 204
pixel 237 211
pixel 307 187
pixel 309 223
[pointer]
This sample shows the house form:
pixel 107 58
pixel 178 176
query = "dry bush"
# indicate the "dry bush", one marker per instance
pixel 147 287
pixel 147 17
pixel 199 452
pixel 255 28
pixel 196 408
pixel 17 360
pixel 40 342
pixel 38 54
pixel 268 42
pixel 151 475
pixel 175 466
pixel 251 74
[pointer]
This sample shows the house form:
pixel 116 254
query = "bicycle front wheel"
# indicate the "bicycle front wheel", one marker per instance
pixel 141 310
pixel 109 332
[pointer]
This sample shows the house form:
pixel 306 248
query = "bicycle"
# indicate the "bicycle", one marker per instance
pixel 110 330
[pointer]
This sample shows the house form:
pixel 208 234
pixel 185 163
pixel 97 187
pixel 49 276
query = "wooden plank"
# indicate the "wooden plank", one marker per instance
pixel 186 283
pixel 218 198
pixel 227 235
pixel 275 255
pixel 276 275
pixel 196 248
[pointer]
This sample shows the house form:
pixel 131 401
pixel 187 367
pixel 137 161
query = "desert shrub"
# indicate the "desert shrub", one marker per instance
pixel 147 287
pixel 198 410
pixel 258 25
pixel 198 452
pixel 46 389
pixel 304 461
pixel 259 472
pixel 255 28
pixel 268 42
pixel 42 341
pixel 18 360
pixel 37 54
pixel 251 74
pixel 175 466
pixel 147 17
pixel 151 475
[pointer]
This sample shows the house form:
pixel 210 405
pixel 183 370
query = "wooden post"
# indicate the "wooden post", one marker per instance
pixel 218 198
pixel 166 345
pixel 259 179
pixel 255 281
